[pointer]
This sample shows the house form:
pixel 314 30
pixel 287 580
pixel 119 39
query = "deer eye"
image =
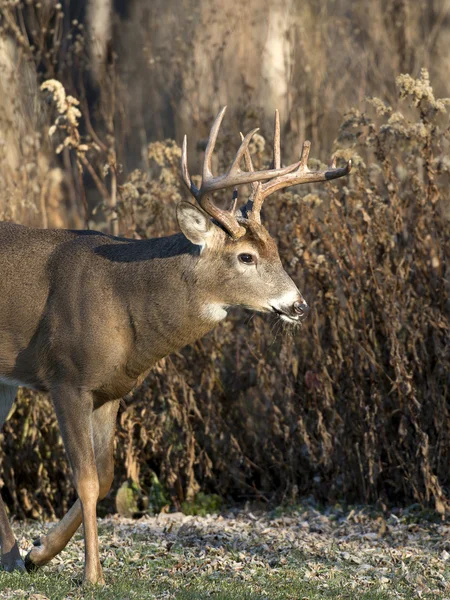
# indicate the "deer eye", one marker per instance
pixel 247 259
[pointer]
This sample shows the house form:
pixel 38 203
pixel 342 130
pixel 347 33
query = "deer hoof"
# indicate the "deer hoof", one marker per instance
pixel 12 561
pixel 13 565
pixel 30 566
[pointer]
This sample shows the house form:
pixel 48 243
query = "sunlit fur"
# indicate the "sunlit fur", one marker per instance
pixel 85 315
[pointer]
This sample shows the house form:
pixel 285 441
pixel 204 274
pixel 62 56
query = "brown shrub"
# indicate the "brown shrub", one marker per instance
pixel 353 405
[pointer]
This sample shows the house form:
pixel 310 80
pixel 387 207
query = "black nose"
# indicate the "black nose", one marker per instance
pixel 301 309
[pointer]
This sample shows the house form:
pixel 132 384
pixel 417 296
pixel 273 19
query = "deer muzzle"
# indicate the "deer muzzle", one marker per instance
pixel 293 313
pixel 301 309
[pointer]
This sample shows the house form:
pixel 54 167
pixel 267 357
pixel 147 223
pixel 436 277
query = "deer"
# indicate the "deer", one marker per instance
pixel 85 315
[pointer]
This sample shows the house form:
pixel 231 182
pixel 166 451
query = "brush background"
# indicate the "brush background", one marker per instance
pixel 351 407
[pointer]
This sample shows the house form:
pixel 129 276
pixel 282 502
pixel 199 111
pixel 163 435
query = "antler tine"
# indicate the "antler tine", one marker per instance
pixel 234 175
pixel 303 175
pixel 258 191
pixel 303 166
pixel 226 218
pixel 249 166
pixel 243 148
pixel 276 142
pixel 255 186
pixel 300 174
pixel 257 197
pixel 234 201
pixel 247 156
pixel 207 173
pixel 185 170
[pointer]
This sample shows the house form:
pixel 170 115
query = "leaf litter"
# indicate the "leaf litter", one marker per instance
pixel 404 556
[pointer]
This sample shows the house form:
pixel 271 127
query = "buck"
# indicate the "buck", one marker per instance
pixel 85 315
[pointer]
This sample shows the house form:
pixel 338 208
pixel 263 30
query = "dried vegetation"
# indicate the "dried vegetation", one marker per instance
pixel 352 405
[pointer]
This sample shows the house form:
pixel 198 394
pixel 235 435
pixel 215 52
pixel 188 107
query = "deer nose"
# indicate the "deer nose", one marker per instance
pixel 301 309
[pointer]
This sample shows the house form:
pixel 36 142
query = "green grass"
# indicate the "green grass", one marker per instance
pixel 161 582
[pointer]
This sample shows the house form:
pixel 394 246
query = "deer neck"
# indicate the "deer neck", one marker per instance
pixel 168 299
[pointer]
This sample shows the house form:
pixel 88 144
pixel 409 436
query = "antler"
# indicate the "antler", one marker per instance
pixel 299 173
pixel 234 176
pixel 276 178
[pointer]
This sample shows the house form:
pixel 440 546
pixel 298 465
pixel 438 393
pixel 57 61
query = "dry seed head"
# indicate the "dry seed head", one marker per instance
pixel 68 118
pixel 381 107
pixel 420 90
pixel 257 145
pixel 59 93
pixel 164 153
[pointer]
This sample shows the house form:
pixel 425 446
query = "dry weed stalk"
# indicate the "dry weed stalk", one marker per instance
pixel 67 123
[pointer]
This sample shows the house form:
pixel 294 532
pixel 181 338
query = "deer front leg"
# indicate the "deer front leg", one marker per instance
pixel 74 410
pixel 11 559
pixel 48 546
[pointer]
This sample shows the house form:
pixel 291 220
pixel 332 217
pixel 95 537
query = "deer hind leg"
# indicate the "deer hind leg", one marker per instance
pixel 48 546
pixel 10 557
pixel 74 410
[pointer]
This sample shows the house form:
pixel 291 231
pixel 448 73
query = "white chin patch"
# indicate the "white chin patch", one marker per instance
pixel 289 319
pixel 215 312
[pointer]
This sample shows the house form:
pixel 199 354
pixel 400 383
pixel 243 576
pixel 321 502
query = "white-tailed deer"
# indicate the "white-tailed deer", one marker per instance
pixel 84 316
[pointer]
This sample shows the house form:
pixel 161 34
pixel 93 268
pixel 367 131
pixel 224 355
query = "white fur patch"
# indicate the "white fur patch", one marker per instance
pixel 287 299
pixel 214 312
pixel 289 319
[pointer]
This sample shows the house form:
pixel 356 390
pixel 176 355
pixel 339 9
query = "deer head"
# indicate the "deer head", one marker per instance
pixel 241 259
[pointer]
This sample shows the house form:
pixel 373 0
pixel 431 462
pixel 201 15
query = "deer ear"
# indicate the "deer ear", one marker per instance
pixel 194 223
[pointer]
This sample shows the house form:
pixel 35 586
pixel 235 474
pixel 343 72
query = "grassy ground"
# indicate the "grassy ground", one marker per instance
pixel 298 555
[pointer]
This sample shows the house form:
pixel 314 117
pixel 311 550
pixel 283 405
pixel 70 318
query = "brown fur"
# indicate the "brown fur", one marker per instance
pixel 84 315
